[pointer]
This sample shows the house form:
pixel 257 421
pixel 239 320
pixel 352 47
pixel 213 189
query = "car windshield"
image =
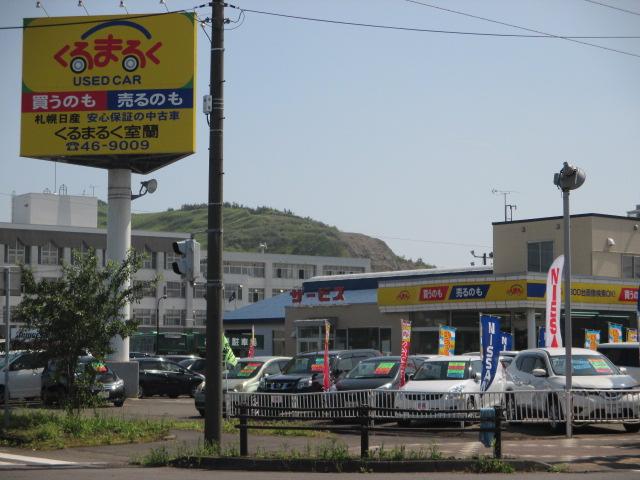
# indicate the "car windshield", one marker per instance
pixel 244 369
pixel 584 365
pixel 443 370
pixel 307 364
pixel 12 356
pixel 375 369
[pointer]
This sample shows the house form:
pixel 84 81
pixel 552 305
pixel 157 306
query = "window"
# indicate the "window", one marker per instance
pixel 169 258
pixel 630 266
pixel 277 344
pixel 175 317
pixel 250 269
pixel 539 256
pixel 278 291
pixel 175 289
pixel 340 270
pixel 199 290
pixel 144 316
pixel 49 254
pixel 148 290
pixel 273 369
pixel 256 294
pixel 16 253
pixel 233 291
pixel 621 357
pixel 200 318
pixel 287 270
pixel 148 259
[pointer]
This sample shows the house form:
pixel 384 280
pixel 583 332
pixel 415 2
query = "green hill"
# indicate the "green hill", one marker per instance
pixel 246 228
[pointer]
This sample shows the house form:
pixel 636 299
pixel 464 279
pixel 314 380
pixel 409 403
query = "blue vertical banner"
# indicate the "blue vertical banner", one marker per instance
pixel 541 334
pixel 491 346
pixel 506 342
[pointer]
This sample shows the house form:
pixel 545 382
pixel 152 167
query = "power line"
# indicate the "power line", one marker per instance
pixel 428 30
pixel 613 7
pixel 498 22
pixel 85 22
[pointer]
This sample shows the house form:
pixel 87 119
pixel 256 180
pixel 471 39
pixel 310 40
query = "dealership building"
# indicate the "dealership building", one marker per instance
pixel 365 310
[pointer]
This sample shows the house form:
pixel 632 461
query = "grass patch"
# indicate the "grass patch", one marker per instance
pixel 399 453
pixel 46 430
pixel 492 465
pixel 559 468
pixel 229 426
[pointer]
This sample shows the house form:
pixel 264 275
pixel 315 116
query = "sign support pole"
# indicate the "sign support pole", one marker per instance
pixel 213 392
pixel 119 240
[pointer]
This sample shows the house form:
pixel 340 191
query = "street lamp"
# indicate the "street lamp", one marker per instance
pixel 163 297
pixel 569 178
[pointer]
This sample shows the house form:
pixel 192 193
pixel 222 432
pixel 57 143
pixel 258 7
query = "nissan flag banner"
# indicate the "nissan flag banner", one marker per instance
pixel 491 346
pixel 552 336
pixel 326 381
pixel 506 342
pixel 405 327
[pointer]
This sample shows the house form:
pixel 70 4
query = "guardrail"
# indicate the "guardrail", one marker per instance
pixel 363 421
pixel 520 406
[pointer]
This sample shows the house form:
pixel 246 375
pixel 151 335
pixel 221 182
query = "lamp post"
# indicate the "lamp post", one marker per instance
pixel 163 297
pixel 568 179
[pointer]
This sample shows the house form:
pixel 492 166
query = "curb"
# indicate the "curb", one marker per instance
pixel 348 466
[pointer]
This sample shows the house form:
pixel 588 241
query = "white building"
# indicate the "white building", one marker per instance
pixel 45 228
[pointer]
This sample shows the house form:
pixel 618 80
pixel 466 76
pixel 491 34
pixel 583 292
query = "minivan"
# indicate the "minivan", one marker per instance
pixel 625 354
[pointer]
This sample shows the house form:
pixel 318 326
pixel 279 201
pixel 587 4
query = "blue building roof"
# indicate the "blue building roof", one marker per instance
pixel 267 310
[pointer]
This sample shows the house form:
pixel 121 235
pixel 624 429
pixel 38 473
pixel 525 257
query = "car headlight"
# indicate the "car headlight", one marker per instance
pixel 263 384
pixel 200 388
pixel 386 386
pixel 333 388
pixel 304 383
pixel 239 388
pixel 118 383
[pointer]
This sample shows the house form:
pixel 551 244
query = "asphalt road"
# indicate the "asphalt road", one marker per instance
pixel 595 448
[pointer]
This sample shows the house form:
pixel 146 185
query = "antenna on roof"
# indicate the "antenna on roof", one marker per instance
pixel 262 247
pixel 508 208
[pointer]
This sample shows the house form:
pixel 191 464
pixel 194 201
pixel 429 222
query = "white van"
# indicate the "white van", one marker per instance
pixel 625 354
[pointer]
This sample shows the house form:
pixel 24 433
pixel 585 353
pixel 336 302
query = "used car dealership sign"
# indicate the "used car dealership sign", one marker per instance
pixel 109 91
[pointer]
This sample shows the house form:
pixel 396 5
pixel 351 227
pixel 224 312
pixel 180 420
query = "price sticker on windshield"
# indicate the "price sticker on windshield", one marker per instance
pixel 248 369
pixel 599 365
pixel 455 370
pixel 318 366
pixel 384 368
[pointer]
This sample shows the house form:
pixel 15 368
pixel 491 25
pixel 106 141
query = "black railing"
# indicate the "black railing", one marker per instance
pixel 362 423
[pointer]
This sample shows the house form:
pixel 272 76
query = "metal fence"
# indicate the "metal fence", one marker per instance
pixel 544 406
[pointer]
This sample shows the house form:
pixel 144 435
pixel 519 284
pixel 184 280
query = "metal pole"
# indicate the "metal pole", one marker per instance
pixel 213 392
pixel 7 344
pixel 568 337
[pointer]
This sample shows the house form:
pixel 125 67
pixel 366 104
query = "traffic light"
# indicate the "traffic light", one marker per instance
pixel 188 265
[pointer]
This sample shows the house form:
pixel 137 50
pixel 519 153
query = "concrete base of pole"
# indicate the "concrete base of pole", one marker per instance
pixel 129 372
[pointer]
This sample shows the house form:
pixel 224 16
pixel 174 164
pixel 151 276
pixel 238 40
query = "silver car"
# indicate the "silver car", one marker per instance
pixel 600 391
pixel 244 377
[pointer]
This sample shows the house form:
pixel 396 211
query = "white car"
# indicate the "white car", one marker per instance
pixel 601 391
pixel 445 384
pixel 25 369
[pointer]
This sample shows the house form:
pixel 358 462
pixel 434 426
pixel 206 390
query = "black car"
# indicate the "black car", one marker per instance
pixel 107 385
pixel 304 372
pixel 378 372
pixel 161 377
pixel 198 366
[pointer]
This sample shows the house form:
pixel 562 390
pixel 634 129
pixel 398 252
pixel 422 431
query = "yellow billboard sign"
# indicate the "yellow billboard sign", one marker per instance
pixel 501 291
pixel 109 91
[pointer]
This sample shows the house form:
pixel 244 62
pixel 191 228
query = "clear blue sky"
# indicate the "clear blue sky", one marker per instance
pixel 399 135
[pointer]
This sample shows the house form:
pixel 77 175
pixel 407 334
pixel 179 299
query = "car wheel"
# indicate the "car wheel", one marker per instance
pixel 173 395
pixel 201 412
pixel 632 427
pixel 142 391
pixel 554 414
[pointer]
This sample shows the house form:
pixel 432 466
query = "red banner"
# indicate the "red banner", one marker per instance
pixel 252 343
pixel 404 349
pixel 326 382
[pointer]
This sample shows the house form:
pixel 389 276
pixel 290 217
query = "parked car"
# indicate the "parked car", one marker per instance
pixel 304 372
pixel 244 377
pixel 140 355
pixel 107 385
pixel 377 372
pixel 161 377
pixel 187 362
pixel 179 358
pixel 537 379
pixel 623 355
pixel 198 366
pixel 443 384
pixel 25 369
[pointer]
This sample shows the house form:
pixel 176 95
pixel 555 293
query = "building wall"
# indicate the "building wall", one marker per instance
pixel 591 253
pixel 52 209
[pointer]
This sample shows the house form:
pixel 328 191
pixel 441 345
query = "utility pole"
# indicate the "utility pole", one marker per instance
pixel 213 392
